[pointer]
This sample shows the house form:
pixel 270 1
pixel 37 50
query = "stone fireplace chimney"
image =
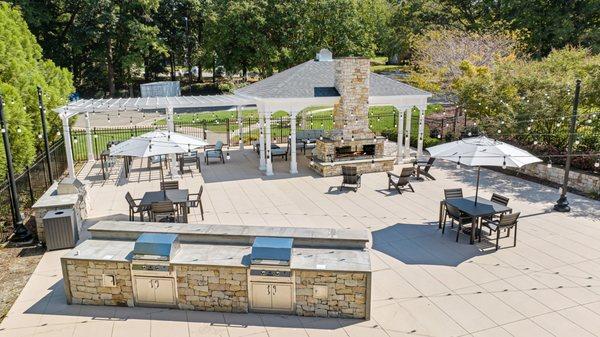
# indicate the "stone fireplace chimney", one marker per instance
pixel 351 113
pixel 351 142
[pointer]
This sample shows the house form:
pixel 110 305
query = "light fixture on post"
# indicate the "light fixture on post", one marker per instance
pixel 21 233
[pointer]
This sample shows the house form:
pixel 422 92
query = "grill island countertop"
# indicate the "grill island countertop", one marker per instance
pixel 227 256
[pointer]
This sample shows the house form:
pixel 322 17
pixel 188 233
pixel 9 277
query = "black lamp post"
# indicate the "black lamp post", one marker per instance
pixel 45 133
pixel 562 204
pixel 21 234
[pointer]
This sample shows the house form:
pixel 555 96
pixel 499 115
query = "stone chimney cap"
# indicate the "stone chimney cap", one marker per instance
pixel 324 55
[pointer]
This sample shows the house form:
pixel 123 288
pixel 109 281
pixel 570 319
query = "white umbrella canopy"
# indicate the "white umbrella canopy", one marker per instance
pixel 482 151
pixel 186 141
pixel 145 147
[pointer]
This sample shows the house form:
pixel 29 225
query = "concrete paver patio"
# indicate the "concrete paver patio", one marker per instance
pixel 424 284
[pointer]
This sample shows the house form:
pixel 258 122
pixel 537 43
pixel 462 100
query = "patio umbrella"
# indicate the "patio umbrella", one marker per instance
pixel 188 142
pixel 144 147
pixel 482 151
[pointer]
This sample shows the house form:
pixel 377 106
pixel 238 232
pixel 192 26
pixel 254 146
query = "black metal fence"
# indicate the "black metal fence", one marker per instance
pixel 32 182
pixel 227 130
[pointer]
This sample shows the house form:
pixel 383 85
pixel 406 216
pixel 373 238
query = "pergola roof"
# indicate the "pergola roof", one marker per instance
pixel 313 79
pixel 114 104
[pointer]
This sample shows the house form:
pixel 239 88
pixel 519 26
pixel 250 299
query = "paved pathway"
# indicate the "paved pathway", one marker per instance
pixel 424 284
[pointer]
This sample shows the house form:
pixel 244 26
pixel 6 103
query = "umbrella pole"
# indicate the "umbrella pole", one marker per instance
pixel 477 188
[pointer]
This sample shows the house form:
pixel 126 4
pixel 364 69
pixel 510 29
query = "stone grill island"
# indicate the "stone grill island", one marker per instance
pixel 289 270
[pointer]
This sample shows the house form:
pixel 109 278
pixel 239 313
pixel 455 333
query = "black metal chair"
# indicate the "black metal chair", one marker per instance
pixel 456 215
pixel 506 221
pixel 164 209
pixel 351 178
pixel 449 193
pixel 197 202
pixel 169 185
pixel 135 208
pixel 400 182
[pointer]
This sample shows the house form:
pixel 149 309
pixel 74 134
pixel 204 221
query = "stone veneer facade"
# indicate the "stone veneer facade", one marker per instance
pixel 223 289
pixel 351 112
pixel 347 294
pixel 86 286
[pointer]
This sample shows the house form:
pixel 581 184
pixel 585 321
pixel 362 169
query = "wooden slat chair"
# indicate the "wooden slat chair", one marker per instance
pixel 214 151
pixel 169 185
pixel 350 178
pixel 401 182
pixel 499 199
pixel 135 208
pixel 425 171
pixel 197 201
pixel 506 221
pixel 163 209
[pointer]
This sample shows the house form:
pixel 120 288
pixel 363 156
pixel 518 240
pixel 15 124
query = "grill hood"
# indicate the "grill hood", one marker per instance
pixel 154 246
pixel 270 250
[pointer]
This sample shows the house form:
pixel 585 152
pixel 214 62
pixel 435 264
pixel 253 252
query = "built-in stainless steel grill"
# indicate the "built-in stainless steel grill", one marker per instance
pixel 270 279
pixel 151 271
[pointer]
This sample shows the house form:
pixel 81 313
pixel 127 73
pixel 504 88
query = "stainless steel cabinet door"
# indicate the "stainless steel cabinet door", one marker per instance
pixel 261 295
pixel 164 289
pixel 144 288
pixel 281 296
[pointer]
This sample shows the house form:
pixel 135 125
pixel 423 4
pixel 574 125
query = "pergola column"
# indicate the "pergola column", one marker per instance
pixel 261 140
pixel 171 128
pixel 269 163
pixel 400 135
pixel 68 148
pixel 421 135
pixel 88 137
pixel 240 126
pixel 407 127
pixel 293 163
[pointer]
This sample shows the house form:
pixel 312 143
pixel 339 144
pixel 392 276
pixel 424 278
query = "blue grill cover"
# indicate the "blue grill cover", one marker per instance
pixel 156 244
pixel 270 248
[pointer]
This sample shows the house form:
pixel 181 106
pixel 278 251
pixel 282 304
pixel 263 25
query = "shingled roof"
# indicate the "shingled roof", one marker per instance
pixel 316 79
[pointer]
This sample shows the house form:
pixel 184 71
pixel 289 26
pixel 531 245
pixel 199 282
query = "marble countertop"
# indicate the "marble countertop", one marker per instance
pixel 227 255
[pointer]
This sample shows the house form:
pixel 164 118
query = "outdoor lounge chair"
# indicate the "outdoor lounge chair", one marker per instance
pixel 279 152
pixel 456 215
pixel 506 221
pixel 307 138
pixel 400 182
pixel 350 178
pixel 164 210
pixel 187 159
pixel 135 208
pixel 197 202
pixel 214 151
pixel 425 171
pixel 169 185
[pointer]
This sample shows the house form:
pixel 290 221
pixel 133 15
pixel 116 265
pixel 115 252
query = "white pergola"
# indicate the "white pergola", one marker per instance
pixel 90 106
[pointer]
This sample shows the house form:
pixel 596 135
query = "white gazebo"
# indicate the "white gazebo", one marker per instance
pixel 312 83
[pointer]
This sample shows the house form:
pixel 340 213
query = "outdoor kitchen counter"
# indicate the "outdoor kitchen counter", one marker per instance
pixel 227 256
pixel 232 234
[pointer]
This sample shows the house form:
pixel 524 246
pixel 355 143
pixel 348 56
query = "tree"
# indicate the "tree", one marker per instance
pixel 439 54
pixel 22 69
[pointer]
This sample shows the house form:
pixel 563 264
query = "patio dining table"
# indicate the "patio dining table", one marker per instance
pixel 178 197
pixel 483 208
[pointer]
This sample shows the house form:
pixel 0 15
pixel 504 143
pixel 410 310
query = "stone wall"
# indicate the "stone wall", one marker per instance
pixel 350 114
pixel 84 282
pixel 365 166
pixel 223 289
pixel 346 296
pixel 581 181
